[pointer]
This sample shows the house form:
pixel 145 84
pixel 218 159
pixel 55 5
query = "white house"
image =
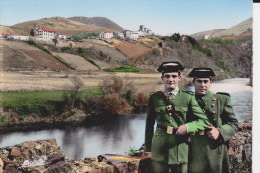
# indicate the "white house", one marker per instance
pixel 134 36
pixel 119 35
pixel 44 34
pixel 203 36
pixel 106 35
pixel 62 36
pixel 22 37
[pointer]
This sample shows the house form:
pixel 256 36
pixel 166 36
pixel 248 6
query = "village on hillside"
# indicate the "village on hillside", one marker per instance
pixel 47 35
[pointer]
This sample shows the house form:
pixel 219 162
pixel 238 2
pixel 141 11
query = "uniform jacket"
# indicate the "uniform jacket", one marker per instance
pixel 170 148
pixel 211 155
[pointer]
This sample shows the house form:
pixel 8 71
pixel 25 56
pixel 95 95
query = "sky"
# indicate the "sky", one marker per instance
pixel 163 17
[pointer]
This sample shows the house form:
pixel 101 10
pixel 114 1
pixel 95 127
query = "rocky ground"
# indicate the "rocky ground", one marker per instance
pixel 45 156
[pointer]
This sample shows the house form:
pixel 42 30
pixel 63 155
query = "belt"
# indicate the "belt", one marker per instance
pixel 165 128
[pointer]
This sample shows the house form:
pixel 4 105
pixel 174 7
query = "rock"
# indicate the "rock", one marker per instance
pixel 129 164
pixel 11 169
pixel 16 152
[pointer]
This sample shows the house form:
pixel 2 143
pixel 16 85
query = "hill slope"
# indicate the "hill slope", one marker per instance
pixel 59 24
pixel 97 21
pixel 242 28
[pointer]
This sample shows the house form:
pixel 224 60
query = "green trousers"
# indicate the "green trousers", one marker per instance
pixel 160 167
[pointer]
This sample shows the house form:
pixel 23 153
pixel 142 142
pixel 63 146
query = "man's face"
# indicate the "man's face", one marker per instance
pixel 202 85
pixel 170 80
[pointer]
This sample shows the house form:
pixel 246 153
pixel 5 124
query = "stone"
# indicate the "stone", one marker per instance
pixel 53 141
pixel 11 169
pixel 31 144
pixel 16 152
pixel 129 164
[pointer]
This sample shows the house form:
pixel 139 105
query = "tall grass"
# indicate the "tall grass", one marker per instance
pixel 40 102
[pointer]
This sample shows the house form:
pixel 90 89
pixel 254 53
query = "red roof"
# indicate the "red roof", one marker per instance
pixel 5 33
pixel 49 30
pixel 203 34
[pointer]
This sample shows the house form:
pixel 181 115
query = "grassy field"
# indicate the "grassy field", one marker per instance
pixel 40 102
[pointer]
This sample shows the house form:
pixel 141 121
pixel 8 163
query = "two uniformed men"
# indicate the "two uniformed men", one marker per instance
pixel 178 113
pixel 209 150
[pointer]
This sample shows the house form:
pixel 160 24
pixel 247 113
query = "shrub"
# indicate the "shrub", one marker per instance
pixel 196 46
pixel 141 100
pixel 129 98
pixel 176 37
pixel 123 69
pixel 84 36
pixel 112 85
pixel 5 121
pixel 65 49
pixel 114 104
pixel 228 71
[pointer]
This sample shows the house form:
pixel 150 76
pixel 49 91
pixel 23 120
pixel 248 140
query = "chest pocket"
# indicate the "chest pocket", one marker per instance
pixel 181 112
pixel 160 113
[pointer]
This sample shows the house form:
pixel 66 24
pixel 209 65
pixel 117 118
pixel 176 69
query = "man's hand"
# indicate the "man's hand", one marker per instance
pixel 213 133
pixel 182 130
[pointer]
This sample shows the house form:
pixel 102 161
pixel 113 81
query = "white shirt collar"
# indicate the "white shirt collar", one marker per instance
pixel 174 92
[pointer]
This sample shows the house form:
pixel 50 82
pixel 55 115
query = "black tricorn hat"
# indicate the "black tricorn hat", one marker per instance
pixel 201 73
pixel 167 67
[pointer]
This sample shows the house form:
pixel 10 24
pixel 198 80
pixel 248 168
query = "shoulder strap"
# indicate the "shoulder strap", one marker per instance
pixel 171 109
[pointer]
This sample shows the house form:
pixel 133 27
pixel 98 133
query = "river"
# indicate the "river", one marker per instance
pixel 114 137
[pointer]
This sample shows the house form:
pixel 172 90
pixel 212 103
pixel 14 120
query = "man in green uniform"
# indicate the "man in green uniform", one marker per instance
pixel 176 113
pixel 209 147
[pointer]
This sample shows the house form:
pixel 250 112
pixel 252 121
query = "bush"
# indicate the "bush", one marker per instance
pixel 228 71
pixel 218 41
pixel 141 100
pixel 196 46
pixel 129 98
pixel 123 69
pixel 84 36
pixel 65 49
pixel 176 37
pixel 5 121
pixel 114 104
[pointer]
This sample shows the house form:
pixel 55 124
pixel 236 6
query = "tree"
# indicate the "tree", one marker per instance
pixel 176 37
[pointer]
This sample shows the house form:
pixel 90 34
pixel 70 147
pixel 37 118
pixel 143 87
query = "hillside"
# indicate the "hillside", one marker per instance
pixel 243 28
pixel 97 21
pixel 240 30
pixel 59 24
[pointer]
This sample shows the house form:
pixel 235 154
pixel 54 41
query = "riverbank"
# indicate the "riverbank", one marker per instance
pixel 81 117
pixel 46 156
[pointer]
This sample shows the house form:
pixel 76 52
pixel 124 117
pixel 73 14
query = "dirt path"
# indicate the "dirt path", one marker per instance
pixel 232 85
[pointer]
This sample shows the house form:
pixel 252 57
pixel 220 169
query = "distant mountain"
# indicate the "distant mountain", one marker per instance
pixel 242 29
pixel 97 21
pixel 59 24
pixel 197 35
